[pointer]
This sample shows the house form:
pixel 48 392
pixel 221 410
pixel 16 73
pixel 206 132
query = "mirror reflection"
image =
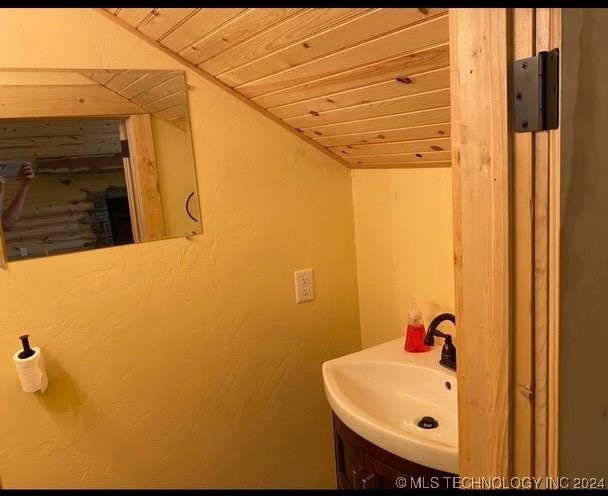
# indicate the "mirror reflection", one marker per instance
pixel 94 159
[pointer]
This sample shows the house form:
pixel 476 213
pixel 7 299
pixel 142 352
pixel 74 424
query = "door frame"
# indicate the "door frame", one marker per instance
pixel 506 244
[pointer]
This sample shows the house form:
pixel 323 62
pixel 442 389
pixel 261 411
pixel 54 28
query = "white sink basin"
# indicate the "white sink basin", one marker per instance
pixel 382 392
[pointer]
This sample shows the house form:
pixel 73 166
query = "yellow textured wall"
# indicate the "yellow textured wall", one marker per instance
pixel 183 363
pixel 403 231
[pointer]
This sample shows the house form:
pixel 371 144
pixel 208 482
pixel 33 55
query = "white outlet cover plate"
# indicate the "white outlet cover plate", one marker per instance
pixel 305 288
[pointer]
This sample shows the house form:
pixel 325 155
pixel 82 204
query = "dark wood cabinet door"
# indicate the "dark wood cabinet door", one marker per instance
pixel 363 465
pixel 379 475
pixel 349 460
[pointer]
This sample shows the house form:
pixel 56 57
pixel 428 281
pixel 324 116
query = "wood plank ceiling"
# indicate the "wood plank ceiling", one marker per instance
pixel 162 93
pixel 369 85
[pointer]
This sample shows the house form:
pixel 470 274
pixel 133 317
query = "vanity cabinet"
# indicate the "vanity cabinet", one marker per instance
pixel 361 464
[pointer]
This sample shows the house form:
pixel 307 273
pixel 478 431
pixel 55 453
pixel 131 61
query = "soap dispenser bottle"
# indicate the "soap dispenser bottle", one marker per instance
pixel 414 336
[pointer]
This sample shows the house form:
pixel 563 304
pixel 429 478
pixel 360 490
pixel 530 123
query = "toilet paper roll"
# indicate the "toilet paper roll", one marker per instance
pixel 31 371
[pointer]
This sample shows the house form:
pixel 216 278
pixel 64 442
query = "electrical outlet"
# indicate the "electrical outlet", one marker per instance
pixel 305 288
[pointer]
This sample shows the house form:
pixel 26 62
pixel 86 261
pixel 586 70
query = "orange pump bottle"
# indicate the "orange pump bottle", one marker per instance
pixel 414 336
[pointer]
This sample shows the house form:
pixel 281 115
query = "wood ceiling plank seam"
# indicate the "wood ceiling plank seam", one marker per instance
pixel 175 26
pixel 100 77
pixel 212 32
pixel 22 130
pixel 403 165
pixel 337 95
pixel 428 144
pixel 318 117
pixel 212 62
pixel 340 151
pixel 173 84
pixel 150 80
pixel 139 80
pixel 175 112
pixel 197 26
pixel 349 76
pixel 144 78
pixel 8 144
pixel 62 144
pixel 228 37
pixel 113 75
pixel 380 125
pixel 31 138
pixel 133 16
pixel 368 119
pixel 351 57
pixel 145 19
pixel 168 98
pixel 125 79
pixel 232 80
pixel 441 129
pixel 387 157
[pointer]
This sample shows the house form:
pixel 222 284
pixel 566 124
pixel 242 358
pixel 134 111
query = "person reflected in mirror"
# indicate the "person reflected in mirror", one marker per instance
pixel 11 215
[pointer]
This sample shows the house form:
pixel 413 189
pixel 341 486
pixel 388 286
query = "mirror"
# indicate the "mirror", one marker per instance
pixel 111 156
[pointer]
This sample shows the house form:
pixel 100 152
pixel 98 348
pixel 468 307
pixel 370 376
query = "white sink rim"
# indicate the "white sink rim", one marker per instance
pixel 416 448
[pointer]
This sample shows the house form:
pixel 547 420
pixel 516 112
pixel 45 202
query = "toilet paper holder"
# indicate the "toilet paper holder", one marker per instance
pixel 30 367
pixel 27 350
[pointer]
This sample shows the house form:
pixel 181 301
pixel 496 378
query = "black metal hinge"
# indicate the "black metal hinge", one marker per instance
pixel 124 145
pixel 536 92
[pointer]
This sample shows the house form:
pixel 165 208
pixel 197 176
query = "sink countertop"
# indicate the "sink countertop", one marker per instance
pixel 381 392
pixel 393 350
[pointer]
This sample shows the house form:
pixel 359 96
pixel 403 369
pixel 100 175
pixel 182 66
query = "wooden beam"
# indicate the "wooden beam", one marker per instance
pixel 79 164
pixel 44 101
pixel 142 180
pixel 480 160
pixel 522 45
pixel 546 284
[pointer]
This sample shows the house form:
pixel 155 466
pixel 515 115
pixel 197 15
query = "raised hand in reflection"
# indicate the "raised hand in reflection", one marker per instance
pixel 11 215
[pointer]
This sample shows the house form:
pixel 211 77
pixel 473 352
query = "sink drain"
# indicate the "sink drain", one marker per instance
pixel 427 423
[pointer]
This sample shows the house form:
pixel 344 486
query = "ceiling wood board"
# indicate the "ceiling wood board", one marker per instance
pixel 409 119
pixel 411 103
pixel 163 21
pixel 394 87
pixel 250 23
pixel 285 33
pixel 396 67
pixel 404 165
pixel 134 16
pixel 428 145
pixel 196 27
pixel 343 77
pixel 380 27
pixel 405 41
pixel 400 157
pixel 387 135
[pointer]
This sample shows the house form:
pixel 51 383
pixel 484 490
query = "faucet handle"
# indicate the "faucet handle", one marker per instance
pixel 448 351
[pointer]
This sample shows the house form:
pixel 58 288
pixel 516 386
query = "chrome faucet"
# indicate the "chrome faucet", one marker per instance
pixel 448 351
